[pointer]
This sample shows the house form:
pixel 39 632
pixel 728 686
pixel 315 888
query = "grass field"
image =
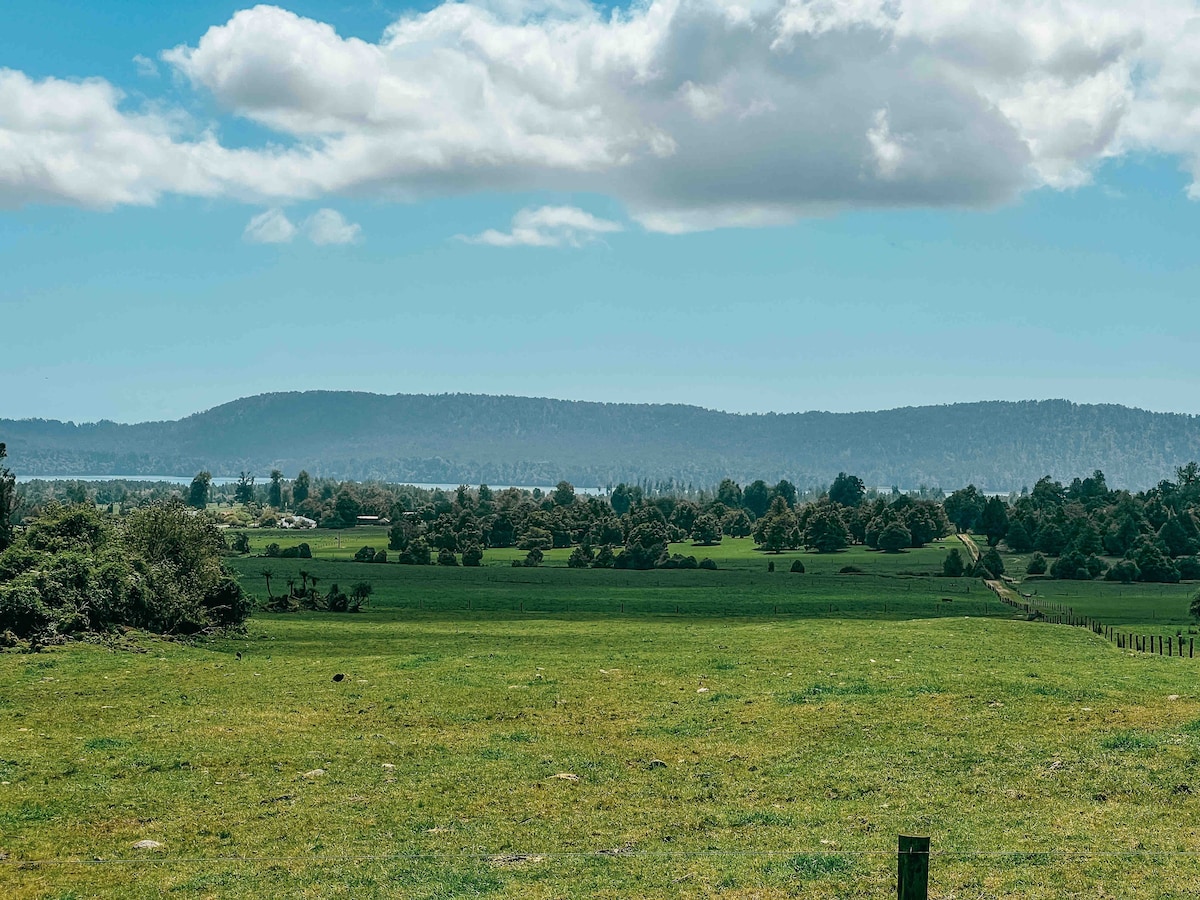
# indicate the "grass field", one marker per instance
pixel 734 733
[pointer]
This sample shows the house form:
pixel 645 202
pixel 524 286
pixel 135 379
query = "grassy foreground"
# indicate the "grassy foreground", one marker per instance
pixel 723 756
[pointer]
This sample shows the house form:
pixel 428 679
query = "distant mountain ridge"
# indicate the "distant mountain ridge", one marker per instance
pixel 472 438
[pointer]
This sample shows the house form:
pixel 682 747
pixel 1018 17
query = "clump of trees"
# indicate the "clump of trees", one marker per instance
pixel 74 570
pixel 1073 531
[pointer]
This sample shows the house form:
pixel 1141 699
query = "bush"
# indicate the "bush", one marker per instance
pixel 771 566
pixel 241 543
pixel 271 550
pixel 1189 568
pixel 416 554
pixel 536 539
pixel 365 554
pixel 604 558
pixel 472 556
pixel 953 565
pixel 1037 565
pixel 797 567
pixel 380 556
pixel 579 559
pixel 850 570
pixel 709 564
pixel 1126 572
pixel 678 561
pixel 534 558
pixel 304 551
pixel 446 558
pixel 72 572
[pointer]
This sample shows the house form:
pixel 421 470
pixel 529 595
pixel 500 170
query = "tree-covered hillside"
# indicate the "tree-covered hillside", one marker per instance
pixel 998 446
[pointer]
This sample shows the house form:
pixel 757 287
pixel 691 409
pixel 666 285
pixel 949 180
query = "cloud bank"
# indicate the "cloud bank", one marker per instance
pixel 694 114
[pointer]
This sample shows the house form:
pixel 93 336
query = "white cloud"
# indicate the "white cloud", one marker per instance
pixel 325 226
pixel 328 226
pixel 692 113
pixel 146 67
pixel 548 226
pixel 270 227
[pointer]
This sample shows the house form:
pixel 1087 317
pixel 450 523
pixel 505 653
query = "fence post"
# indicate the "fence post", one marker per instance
pixel 912 868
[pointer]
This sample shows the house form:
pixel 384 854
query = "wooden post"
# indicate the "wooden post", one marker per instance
pixel 1191 647
pixel 912 868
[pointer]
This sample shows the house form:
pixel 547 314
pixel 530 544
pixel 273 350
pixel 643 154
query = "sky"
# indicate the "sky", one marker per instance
pixel 757 205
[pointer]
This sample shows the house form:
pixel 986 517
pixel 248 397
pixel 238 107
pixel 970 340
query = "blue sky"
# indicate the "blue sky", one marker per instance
pixel 741 281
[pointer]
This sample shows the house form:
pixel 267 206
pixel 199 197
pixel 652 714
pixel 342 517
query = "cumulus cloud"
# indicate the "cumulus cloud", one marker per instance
pixel 328 226
pixel 548 226
pixel 693 113
pixel 270 227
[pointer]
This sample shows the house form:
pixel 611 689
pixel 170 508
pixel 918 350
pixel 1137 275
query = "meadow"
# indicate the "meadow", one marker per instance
pixel 508 732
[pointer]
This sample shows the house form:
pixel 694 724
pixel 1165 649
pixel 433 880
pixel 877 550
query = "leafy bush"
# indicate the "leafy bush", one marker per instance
pixel 416 554
pixel 73 572
pixel 365 554
pixel 446 558
pixel 534 558
pixel 1037 565
pixel 604 558
pixel 797 567
pixel 707 563
pixel 472 555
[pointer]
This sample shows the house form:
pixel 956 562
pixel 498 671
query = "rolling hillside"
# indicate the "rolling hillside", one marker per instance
pixel 519 440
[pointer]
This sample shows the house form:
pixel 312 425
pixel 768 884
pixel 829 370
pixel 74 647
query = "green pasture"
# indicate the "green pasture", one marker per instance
pixel 611 592
pixel 547 732
pixel 735 553
pixel 732 757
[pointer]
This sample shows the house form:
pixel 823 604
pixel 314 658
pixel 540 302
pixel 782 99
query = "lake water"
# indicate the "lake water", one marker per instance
pixel 187 480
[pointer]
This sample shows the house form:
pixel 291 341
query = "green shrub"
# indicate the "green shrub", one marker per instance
pixel 797 567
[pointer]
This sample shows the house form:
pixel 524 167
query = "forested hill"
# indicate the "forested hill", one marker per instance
pixel 518 440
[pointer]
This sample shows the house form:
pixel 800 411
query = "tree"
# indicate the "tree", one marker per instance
pixel 1019 539
pixel 964 507
pixel 994 520
pixel 953 565
pixel 729 492
pixel 579 559
pixel 1176 538
pixel 621 499
pixel 244 492
pixel 604 558
pixel 360 593
pixel 894 538
pixel 534 558
pixel 992 562
pixel 472 555
pixel 199 491
pixel 778 529
pixel 8 493
pixel 1037 565
pixel 825 531
pixel 300 488
pixel 757 498
pixel 563 494
pixel 241 543
pixel 1194 606
pixel 707 530
pixel 446 557
pixel 847 490
pixel 275 491
pixel 787 491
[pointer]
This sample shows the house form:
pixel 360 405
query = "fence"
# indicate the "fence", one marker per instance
pixel 1174 645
